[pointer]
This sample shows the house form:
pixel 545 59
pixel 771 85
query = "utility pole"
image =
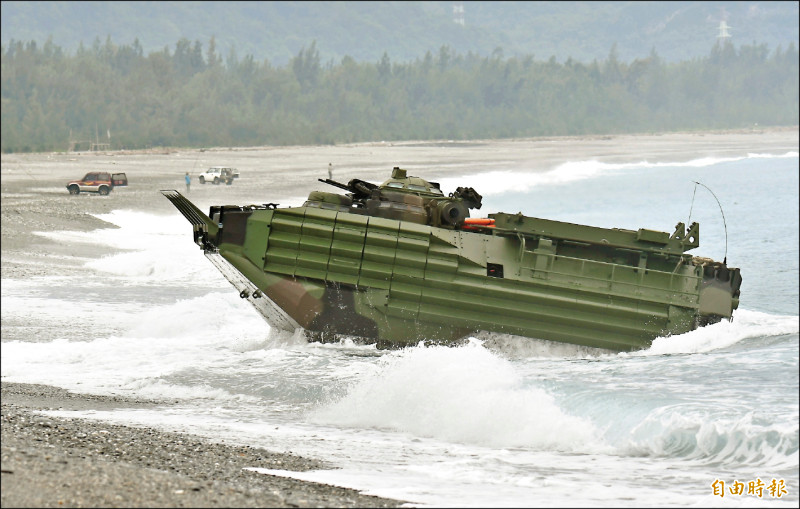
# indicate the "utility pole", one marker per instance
pixel 723 30
pixel 458 13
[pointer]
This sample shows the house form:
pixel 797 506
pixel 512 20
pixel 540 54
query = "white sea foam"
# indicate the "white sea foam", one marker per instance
pixel 30 306
pixel 158 341
pixel 520 347
pixel 216 314
pixel 697 434
pixel 154 249
pixel 158 389
pixel 463 394
pixel 745 324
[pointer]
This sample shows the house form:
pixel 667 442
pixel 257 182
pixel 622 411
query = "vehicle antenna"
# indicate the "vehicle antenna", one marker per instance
pixel 26 171
pixel 724 224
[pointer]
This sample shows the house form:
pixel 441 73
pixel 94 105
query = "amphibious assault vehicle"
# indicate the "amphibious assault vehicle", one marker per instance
pixel 401 262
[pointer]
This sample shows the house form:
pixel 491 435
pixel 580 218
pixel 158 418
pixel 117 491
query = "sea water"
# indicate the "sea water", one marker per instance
pixel 498 422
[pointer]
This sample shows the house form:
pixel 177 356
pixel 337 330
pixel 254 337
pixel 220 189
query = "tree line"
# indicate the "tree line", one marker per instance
pixel 193 97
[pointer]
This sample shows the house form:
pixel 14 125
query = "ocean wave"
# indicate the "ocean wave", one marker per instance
pixel 464 394
pixel 745 325
pixel 517 180
pixel 711 439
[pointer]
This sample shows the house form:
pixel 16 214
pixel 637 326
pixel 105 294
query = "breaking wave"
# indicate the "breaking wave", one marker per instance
pixel 502 181
pixel 465 395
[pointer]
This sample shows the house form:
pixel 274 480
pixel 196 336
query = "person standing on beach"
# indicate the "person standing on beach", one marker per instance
pixel 330 171
pixel 188 181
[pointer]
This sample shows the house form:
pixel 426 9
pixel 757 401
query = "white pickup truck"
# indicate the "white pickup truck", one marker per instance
pixel 219 174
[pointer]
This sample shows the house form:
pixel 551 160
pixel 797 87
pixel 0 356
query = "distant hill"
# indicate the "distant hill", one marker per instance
pixel 277 31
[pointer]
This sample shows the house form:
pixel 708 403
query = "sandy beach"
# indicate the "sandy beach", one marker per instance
pixel 59 462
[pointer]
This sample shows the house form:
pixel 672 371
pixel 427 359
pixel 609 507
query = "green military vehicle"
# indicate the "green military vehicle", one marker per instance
pixel 401 262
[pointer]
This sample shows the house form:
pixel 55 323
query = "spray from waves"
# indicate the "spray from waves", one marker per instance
pixel 699 434
pixel 458 394
pixel 521 347
pixel 189 318
pixel 501 181
pixel 175 263
pixel 745 325
pixel 164 260
pixel 275 339
pixel 160 341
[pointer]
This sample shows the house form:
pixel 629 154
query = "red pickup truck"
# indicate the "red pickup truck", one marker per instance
pixel 100 182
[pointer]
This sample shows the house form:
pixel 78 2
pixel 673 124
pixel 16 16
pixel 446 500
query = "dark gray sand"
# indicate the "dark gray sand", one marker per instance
pixel 56 462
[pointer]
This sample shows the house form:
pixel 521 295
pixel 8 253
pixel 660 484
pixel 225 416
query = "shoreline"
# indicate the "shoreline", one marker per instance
pixel 571 137
pixel 35 199
pixel 72 462
pixel 52 462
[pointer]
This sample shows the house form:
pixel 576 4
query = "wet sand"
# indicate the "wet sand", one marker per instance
pixel 54 462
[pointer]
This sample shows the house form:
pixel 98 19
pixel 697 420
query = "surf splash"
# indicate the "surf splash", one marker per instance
pixel 459 394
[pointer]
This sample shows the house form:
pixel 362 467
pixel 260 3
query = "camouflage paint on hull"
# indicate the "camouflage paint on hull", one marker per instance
pixel 397 282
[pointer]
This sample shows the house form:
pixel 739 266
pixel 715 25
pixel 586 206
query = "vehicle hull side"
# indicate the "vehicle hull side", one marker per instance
pixel 397 282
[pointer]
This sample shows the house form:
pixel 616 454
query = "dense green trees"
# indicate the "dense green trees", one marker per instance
pixel 187 98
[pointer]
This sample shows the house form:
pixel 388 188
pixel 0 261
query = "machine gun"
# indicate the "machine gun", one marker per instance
pixel 361 189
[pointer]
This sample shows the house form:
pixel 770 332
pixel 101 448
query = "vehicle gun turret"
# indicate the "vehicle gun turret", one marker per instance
pixel 402 197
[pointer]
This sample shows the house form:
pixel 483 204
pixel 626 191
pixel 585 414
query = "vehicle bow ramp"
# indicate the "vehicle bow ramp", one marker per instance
pixel 204 227
pixel 204 230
